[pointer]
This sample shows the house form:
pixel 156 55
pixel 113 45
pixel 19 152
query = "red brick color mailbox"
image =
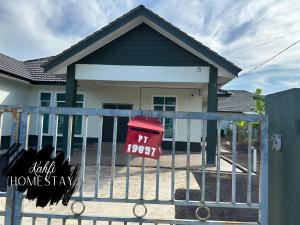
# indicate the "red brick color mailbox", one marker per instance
pixel 144 137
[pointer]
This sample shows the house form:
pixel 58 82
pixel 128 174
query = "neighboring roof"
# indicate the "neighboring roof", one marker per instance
pixel 13 67
pixel 236 101
pixel 37 72
pixel 29 70
pixel 136 12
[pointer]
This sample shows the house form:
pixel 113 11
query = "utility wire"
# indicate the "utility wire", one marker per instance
pixel 266 43
pixel 274 56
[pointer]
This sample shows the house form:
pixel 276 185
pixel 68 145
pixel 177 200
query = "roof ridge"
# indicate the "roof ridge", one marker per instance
pixel 37 59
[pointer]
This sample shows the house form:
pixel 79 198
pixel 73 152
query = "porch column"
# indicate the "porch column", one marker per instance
pixel 212 106
pixel 71 91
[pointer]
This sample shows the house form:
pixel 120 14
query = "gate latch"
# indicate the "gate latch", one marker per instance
pixel 276 142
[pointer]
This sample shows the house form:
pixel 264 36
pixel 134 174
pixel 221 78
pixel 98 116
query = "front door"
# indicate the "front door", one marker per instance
pixel 108 124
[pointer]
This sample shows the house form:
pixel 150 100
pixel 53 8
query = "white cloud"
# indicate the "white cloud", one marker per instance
pixel 246 32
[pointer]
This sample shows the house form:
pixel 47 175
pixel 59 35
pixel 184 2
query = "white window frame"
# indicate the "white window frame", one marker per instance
pixel 50 116
pixel 83 106
pixel 176 106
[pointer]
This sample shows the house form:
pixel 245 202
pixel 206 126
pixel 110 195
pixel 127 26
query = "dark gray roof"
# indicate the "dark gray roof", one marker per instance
pixel 37 72
pixel 150 15
pixel 29 70
pixel 13 67
pixel 236 101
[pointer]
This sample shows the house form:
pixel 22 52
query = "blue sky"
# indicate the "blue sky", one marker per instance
pixel 245 32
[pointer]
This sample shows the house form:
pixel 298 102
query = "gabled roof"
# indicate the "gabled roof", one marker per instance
pixel 30 70
pixel 235 101
pixel 154 18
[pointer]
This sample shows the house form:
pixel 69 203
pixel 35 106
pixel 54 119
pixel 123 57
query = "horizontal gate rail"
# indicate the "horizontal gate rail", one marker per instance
pixel 132 113
pixel 136 220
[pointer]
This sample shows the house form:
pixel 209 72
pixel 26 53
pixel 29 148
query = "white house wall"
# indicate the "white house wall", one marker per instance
pixel 96 96
pixel 12 92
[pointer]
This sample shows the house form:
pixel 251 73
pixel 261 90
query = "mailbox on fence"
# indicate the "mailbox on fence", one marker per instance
pixel 144 137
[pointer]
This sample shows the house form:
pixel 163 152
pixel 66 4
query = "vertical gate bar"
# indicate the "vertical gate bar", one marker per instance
pixel 83 155
pixel 54 141
pixel 157 179
pixel 188 160
pixel 40 130
pixel 79 221
pixel 173 161
pixel 99 151
pixel 113 158
pixel 94 222
pixel 233 180
pixel 64 222
pixel 33 220
pixel 203 149
pixel 127 176
pixel 142 178
pixel 1 125
pixel 23 140
pixel 69 145
pixel 27 130
pixel 249 163
pixel 48 221
pixel 264 174
pixel 10 195
pixel 218 161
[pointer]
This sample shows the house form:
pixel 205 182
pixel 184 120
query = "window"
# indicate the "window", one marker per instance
pixel 166 104
pixel 77 120
pixel 45 101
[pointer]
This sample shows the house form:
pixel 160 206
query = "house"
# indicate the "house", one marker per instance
pixel 138 61
pixel 234 101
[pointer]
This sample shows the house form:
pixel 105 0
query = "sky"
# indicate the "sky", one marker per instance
pixel 246 32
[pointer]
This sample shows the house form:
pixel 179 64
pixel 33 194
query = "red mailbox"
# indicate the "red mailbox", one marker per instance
pixel 144 137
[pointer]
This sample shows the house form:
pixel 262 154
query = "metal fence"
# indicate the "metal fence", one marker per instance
pixel 14 213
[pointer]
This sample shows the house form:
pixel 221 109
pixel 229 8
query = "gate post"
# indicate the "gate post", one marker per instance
pixel 264 173
pixel 283 109
pixel 14 198
pixel 10 194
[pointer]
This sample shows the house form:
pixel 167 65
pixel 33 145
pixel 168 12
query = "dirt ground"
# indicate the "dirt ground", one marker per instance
pixel 244 215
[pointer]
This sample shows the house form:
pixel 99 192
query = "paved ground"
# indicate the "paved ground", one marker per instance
pixel 125 210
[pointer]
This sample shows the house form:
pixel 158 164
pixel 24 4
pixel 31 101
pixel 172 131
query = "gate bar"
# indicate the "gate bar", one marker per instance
pixel 233 180
pixel 249 163
pixel 69 144
pixel 113 158
pixel 203 150
pixel 54 141
pixel 157 179
pixel 142 178
pixel 40 129
pixel 188 160
pixel 218 160
pixel 83 155
pixel 173 161
pixel 98 157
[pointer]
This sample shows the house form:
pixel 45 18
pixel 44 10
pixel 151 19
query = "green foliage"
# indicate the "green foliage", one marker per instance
pixel 259 101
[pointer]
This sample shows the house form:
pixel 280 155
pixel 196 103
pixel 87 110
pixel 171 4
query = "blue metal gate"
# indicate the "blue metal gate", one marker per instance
pixel 16 213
